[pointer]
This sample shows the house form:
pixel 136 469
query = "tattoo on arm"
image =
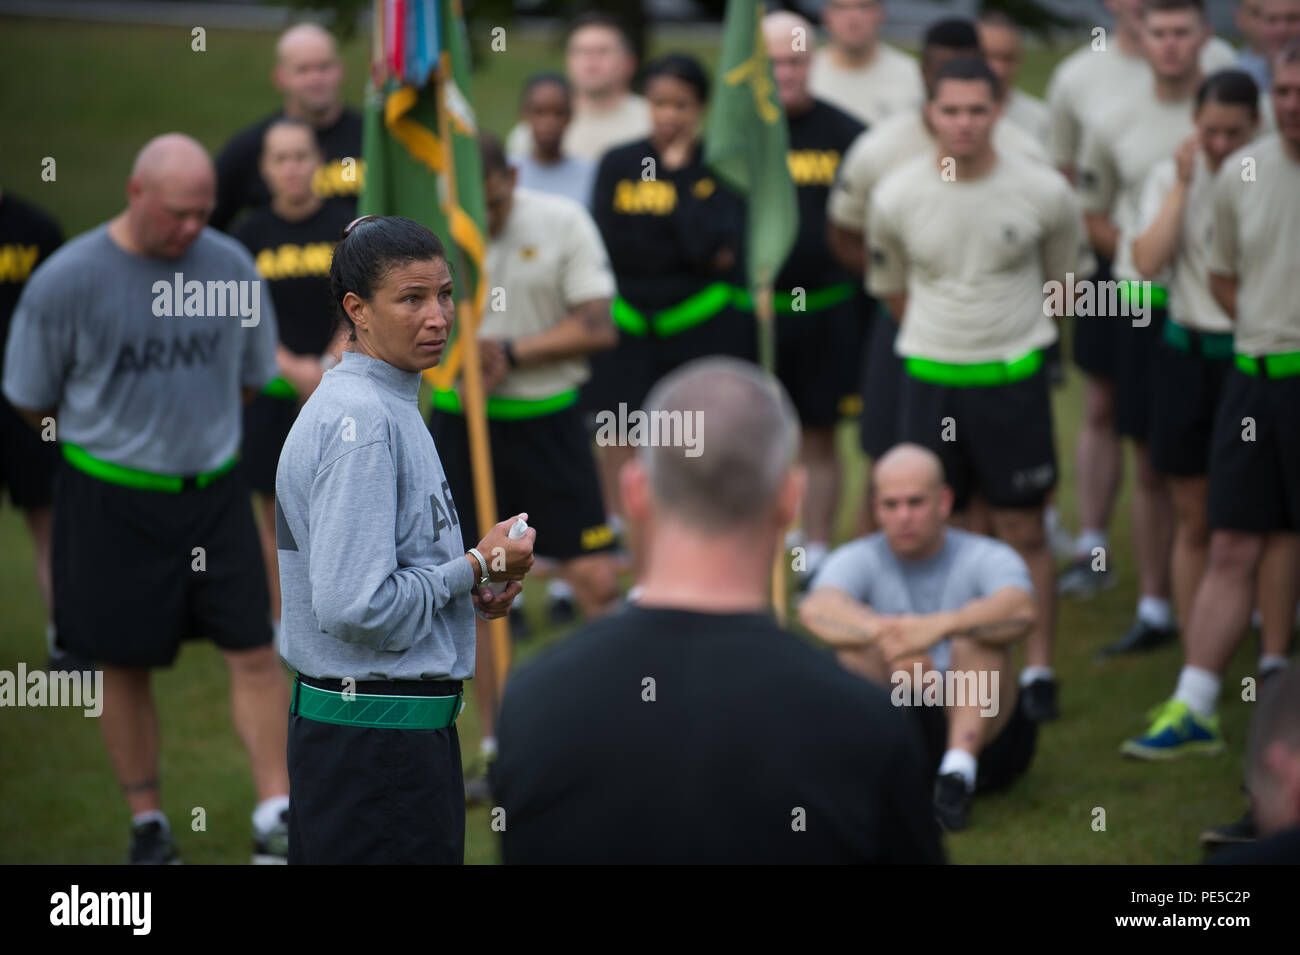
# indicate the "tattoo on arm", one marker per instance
pixel 594 316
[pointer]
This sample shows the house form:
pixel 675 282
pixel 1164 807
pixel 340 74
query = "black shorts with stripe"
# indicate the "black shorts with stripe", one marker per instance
pixel 993 440
pixel 542 466
pixel 27 464
pixel 130 580
pixel 1188 386
pixel 819 360
pixel 882 378
pixel 1255 456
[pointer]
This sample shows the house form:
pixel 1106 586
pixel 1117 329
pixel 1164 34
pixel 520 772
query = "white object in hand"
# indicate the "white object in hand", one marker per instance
pixel 518 529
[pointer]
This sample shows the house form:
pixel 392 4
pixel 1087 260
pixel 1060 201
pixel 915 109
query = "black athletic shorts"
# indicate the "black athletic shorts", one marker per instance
pixel 1188 387
pixel 881 380
pixel 626 373
pixel 127 588
pixel 267 422
pixel 27 464
pixel 819 361
pixel 1095 337
pixel 1002 761
pixel 542 466
pixel 1135 378
pixel 361 795
pixel 1255 484
pixel 1001 437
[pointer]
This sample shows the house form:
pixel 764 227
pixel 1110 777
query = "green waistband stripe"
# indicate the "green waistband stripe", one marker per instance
pixel 1211 344
pixel 1131 290
pixel 783 302
pixel 509 409
pixel 367 709
pixel 687 313
pixel 280 388
pixel 139 480
pixel 981 374
pixel 1281 365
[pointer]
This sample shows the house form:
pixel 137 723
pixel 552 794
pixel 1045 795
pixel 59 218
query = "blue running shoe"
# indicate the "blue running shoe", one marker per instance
pixel 1175 731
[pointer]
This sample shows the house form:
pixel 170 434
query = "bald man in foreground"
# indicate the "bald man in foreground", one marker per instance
pixel 933 612
pixel 308 73
pixel 689 727
pixel 139 339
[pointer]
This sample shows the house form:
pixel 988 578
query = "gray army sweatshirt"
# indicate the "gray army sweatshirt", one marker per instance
pixel 374 580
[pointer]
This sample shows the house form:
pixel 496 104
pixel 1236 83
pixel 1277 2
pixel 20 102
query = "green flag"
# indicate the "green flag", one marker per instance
pixel 421 152
pixel 747 141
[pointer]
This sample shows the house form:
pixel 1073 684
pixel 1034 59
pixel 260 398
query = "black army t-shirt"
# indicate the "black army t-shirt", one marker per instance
pixel 660 736
pixel 239 180
pixel 294 259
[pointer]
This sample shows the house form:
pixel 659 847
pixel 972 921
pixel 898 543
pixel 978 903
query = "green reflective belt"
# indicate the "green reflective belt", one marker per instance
pixel 375 710
pixel 1130 291
pixel 1192 342
pixel 687 313
pixel 278 387
pixel 783 302
pixel 509 409
pixel 1281 365
pixel 141 480
pixel 977 375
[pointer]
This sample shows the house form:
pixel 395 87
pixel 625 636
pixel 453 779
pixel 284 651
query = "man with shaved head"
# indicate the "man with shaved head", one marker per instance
pixel 689 727
pixel 308 74
pixel 138 340
pixel 918 597
pixel 818 302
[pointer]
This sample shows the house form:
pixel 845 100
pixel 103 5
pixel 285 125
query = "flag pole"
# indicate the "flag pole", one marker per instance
pixel 480 452
pixel 765 312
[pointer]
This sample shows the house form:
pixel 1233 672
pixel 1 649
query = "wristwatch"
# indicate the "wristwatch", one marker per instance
pixel 483 579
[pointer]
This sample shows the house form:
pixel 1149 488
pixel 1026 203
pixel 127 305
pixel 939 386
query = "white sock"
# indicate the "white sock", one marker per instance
pixel 1088 540
pixel 140 818
pixel 267 814
pixel 1156 612
pixel 961 762
pixel 1029 674
pixel 558 589
pixel 1268 662
pixel 1199 689
pixel 487 747
pixel 634 594
pixel 815 551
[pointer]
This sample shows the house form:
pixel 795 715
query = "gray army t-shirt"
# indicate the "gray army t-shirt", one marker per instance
pixel 144 358
pixel 967 567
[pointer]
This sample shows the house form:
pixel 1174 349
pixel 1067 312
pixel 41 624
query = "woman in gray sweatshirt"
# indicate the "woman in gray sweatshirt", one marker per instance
pixel 379 592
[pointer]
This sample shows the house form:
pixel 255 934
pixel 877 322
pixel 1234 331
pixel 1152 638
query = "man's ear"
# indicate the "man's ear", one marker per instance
pixel 790 497
pixel 634 487
pixel 945 502
pixel 277 78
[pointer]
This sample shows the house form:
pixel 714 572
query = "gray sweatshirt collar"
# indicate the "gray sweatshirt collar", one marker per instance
pixel 403 384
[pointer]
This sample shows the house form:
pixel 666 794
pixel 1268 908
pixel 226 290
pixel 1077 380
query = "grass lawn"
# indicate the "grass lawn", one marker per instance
pixel 90 95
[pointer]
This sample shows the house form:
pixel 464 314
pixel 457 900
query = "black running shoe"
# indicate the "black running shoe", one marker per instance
pixel 561 612
pixel 1038 700
pixel 1080 580
pixel 1233 834
pixel 952 801
pixel 272 847
pixel 1139 638
pixel 151 844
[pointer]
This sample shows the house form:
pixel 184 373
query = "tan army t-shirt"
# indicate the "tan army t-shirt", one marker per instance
pixel 890 84
pixel 973 257
pixel 1256 235
pixel 882 149
pixel 548 258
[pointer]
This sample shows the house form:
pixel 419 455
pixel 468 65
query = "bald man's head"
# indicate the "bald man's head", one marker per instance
pixel 790 44
pixel 308 72
pixel 912 502
pixel 170 195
